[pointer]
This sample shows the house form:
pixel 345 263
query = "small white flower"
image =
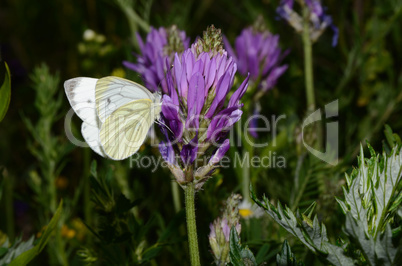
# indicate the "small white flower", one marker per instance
pixel 249 210
pixel 89 35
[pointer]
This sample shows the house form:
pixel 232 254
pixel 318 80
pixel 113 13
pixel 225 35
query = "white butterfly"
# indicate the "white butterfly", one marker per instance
pixel 116 113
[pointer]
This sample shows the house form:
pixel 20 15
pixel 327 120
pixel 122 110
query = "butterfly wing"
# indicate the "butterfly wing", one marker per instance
pixel 81 95
pixel 112 93
pixel 91 136
pixel 126 128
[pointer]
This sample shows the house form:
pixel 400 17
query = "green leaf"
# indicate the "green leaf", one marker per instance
pixel 239 255
pixel 264 253
pixel 371 202
pixel 28 255
pixel 124 205
pixel 310 233
pixel 7 253
pixel 94 172
pixel 5 89
pixel 286 257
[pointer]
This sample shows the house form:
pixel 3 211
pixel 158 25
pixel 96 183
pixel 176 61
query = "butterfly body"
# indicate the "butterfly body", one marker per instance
pixel 117 113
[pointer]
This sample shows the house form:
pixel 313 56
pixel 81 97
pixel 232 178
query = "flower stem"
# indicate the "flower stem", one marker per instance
pixel 248 153
pixel 189 193
pixel 176 196
pixel 308 61
pixel 246 177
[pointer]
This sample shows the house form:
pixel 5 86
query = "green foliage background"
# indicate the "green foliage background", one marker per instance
pixel 364 72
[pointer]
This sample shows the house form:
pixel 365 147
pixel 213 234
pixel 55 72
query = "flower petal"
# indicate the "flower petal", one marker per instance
pixel 220 152
pixel 238 94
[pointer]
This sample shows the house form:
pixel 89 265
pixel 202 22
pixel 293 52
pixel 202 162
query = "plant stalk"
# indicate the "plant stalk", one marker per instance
pixel 189 193
pixel 246 176
pixel 308 74
pixel 308 61
pixel 176 196
pixel 87 190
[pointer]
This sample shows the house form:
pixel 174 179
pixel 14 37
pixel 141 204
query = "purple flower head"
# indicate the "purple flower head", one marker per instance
pixel 196 109
pixel 257 52
pixel 160 45
pixel 319 21
pixel 219 236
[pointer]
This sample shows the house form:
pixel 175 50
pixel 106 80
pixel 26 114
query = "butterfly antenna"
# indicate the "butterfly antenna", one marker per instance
pixel 163 124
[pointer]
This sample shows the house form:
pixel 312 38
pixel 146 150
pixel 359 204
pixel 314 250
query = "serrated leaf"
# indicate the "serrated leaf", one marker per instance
pixel 239 255
pixel 309 211
pixel 286 257
pixel 5 89
pixel 27 256
pixel 19 246
pixel 314 237
pixel 385 250
pixel 367 215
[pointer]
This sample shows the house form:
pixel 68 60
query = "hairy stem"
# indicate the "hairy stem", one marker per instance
pixel 189 193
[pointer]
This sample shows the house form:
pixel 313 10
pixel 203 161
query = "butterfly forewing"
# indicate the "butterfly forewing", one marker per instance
pixel 125 129
pixel 113 92
pixel 81 95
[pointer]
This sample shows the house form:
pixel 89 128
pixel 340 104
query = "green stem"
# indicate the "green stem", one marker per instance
pixel 134 20
pixel 60 249
pixel 246 176
pixel 189 193
pixel 51 179
pixel 308 61
pixel 176 196
pixel 87 190
pixel 248 153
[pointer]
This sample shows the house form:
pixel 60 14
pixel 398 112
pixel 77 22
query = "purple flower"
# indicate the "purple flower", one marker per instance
pixel 160 45
pixel 220 152
pixel 219 236
pixel 194 113
pixel 167 152
pixel 258 53
pixel 318 19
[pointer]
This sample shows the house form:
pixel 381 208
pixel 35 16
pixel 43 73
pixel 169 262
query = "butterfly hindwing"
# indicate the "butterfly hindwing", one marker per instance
pixel 91 136
pixel 126 128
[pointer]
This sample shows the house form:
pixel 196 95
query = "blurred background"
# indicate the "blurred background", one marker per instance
pixel 44 44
